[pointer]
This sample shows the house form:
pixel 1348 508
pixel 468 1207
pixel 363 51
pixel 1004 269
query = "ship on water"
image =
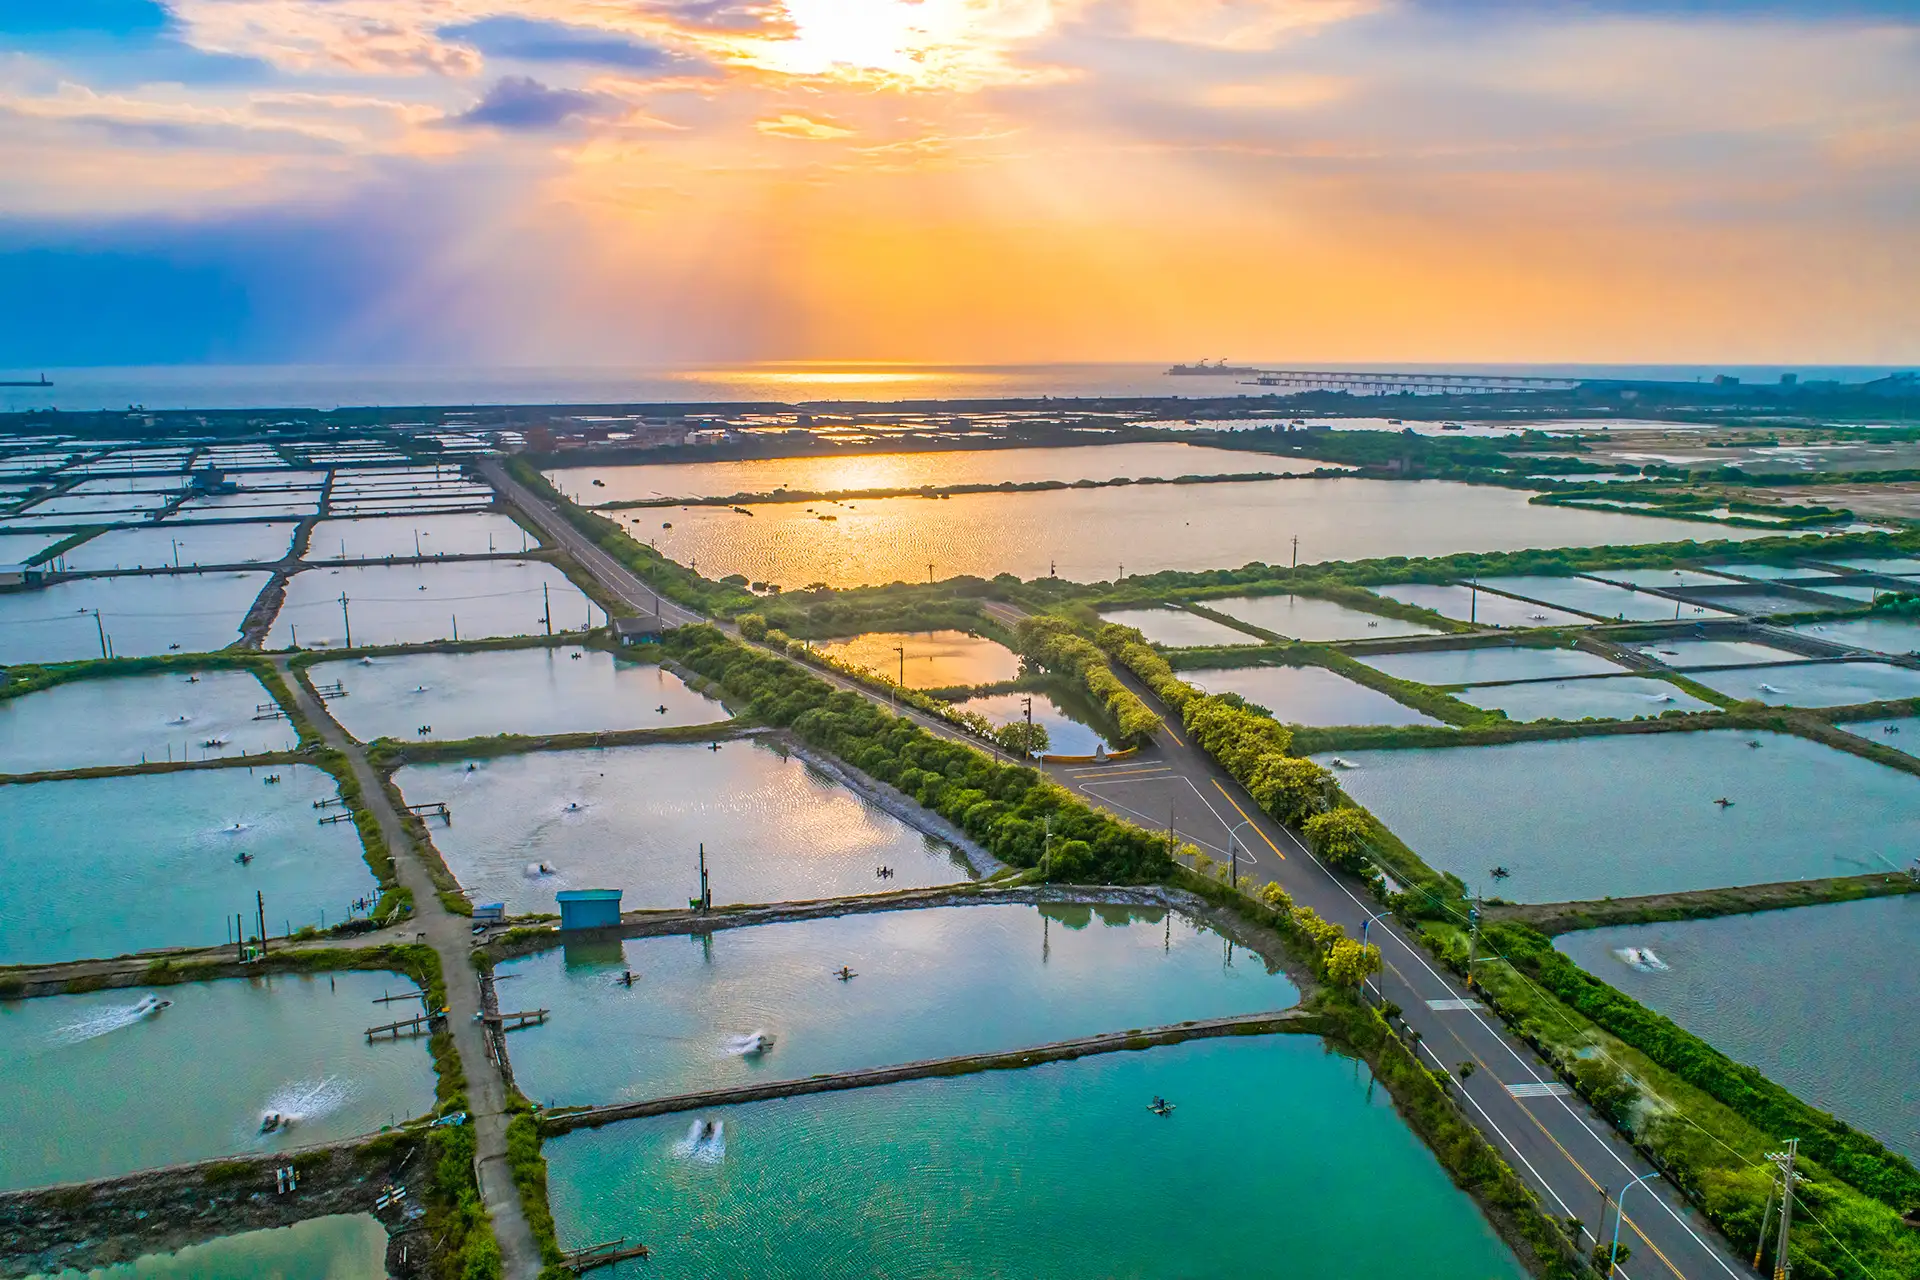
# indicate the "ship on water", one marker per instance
pixel 1220 369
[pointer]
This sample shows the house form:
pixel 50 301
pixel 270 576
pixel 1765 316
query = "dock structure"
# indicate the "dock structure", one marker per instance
pixel 432 809
pixel 329 802
pixel 269 711
pixel 605 1254
pixel 404 995
pixel 419 1025
pixel 520 1018
pixel 328 692
pixel 336 817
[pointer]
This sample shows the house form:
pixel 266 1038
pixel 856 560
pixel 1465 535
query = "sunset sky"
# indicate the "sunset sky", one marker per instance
pixel 655 181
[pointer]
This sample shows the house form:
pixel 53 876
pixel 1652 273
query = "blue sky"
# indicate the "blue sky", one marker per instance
pixel 653 181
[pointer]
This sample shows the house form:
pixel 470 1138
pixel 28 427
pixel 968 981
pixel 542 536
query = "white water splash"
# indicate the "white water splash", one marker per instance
pixel 705 1143
pixel 751 1045
pixel 536 870
pixel 304 1101
pixel 1641 958
pixel 104 1021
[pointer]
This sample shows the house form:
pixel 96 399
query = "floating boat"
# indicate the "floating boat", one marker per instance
pixel 213 742
pixel 1341 762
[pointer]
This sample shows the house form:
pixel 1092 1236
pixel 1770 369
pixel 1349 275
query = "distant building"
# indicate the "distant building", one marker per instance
pixel 22 575
pixel 643 628
pixel 589 908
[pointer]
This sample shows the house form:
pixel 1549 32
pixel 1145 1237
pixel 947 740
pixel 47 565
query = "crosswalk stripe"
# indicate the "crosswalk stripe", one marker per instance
pixel 1550 1089
pixel 1452 1006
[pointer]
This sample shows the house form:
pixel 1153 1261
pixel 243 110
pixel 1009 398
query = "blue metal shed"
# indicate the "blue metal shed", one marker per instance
pixel 589 908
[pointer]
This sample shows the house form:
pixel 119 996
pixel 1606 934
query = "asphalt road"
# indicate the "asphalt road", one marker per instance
pixel 1556 1143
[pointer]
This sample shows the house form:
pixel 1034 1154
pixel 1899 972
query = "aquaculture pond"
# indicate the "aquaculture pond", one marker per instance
pixel 417 603
pixel 1482 608
pixel 933 659
pixel 1735 981
pixel 1055 1170
pixel 21 548
pixel 477 533
pixel 1612 698
pixel 1307 695
pixel 1027 975
pixel 1097 534
pixel 1684 655
pixel 1667 579
pixel 1310 618
pixel 185 546
pixel 1176 628
pixel 531 691
pixel 1902 734
pixel 1899 567
pixel 1600 599
pixel 140 615
pixel 1636 814
pixel 1815 684
pixel 80 1074
pixel 340 1247
pixel 1882 635
pixel 1066 718
pixel 107 866
pixel 174 715
pixel 633 818
pixel 1489 663
pixel 649 481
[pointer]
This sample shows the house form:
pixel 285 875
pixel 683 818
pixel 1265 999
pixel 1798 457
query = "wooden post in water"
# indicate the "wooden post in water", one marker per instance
pixel 260 905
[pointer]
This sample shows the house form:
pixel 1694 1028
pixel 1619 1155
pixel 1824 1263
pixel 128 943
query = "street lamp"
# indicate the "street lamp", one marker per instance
pixel 1233 861
pixel 1620 1211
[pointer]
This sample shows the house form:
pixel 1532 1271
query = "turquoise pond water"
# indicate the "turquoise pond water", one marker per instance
pixel 341 1247
pixel 1882 635
pixel 1598 598
pixel 1684 655
pixel 1669 579
pixel 476 533
pixel 1490 663
pixel 246 543
pixel 1307 695
pixel 531 691
pixel 1635 814
pixel 412 604
pixel 1308 618
pixel 1902 734
pixel 1026 975
pixel 1482 607
pixel 142 615
pixel 19 548
pixel 932 659
pixel 633 818
pixel 1815 684
pixel 1612 698
pixel 130 719
pixel 117 506
pixel 1905 568
pixel 1737 981
pixel 1053 1171
pixel 1176 628
pixel 1065 719
pixel 106 866
pixel 80 1075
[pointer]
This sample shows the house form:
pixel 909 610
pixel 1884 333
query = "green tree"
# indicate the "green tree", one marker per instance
pixel 1023 739
pixel 1351 963
pixel 1339 836
pixel 753 626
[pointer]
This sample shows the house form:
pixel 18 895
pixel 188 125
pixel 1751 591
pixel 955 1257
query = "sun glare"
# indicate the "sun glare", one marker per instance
pixel 946 43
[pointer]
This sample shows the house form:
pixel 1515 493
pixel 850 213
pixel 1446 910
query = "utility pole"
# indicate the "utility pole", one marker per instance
pixel 260 905
pixel 1783 1161
pixel 546 607
pixel 346 619
pixel 902 651
pixel 929 573
pixel 1029 744
pixel 1473 937
pixel 706 890
pixel 1473 602
pixel 1296 551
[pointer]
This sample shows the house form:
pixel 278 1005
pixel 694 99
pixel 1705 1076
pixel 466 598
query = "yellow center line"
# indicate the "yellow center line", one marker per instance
pixel 1171 734
pixel 1250 822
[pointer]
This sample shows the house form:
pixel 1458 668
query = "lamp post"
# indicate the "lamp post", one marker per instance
pixel 1620 1211
pixel 1233 860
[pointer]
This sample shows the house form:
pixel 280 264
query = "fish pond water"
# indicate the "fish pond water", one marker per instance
pixel 107 866
pixel 1684 655
pixel 946 467
pixel 1310 618
pixel 1636 814
pixel 933 659
pixel 132 719
pixel 1668 579
pixel 532 691
pixel 189 545
pixel 1735 981
pixel 1600 599
pixel 1815 684
pixel 417 603
pixel 1483 608
pixel 1882 635
pixel 1176 628
pixel 80 1074
pixel 1090 534
pixel 1066 716
pixel 339 1247
pixel 141 615
pixel 1490 662
pixel 1612 698
pixel 1307 695
pixel 1051 1171
pixel 1026 975
pixel 633 818
pixel 1902 734
pixel 478 533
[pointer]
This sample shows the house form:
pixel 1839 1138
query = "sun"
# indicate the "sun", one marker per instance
pixel 926 43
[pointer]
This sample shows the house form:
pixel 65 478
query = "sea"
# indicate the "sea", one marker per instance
pixel 320 386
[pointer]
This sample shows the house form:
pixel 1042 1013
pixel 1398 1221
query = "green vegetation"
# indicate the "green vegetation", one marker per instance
pixel 1012 810
pixel 1051 644
pixel 26 678
pixel 529 1168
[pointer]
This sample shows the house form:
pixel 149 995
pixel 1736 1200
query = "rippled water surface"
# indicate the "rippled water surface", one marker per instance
pixel 1026 976
pixel 1489 662
pixel 633 818
pixel 341 1247
pixel 1484 608
pixel 530 691
pixel 1308 618
pixel 1598 598
pixel 1883 635
pixel 241 543
pixel 1053 1171
pixel 1090 534
pixel 933 659
pixel 141 615
pixel 1176 628
pixel 1737 982
pixel 105 866
pixel 80 1075
pixel 476 533
pixel 1815 684
pixel 131 719
pixel 1614 698
pixel 1593 817
pixel 1902 734
pixel 1308 695
pixel 413 604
